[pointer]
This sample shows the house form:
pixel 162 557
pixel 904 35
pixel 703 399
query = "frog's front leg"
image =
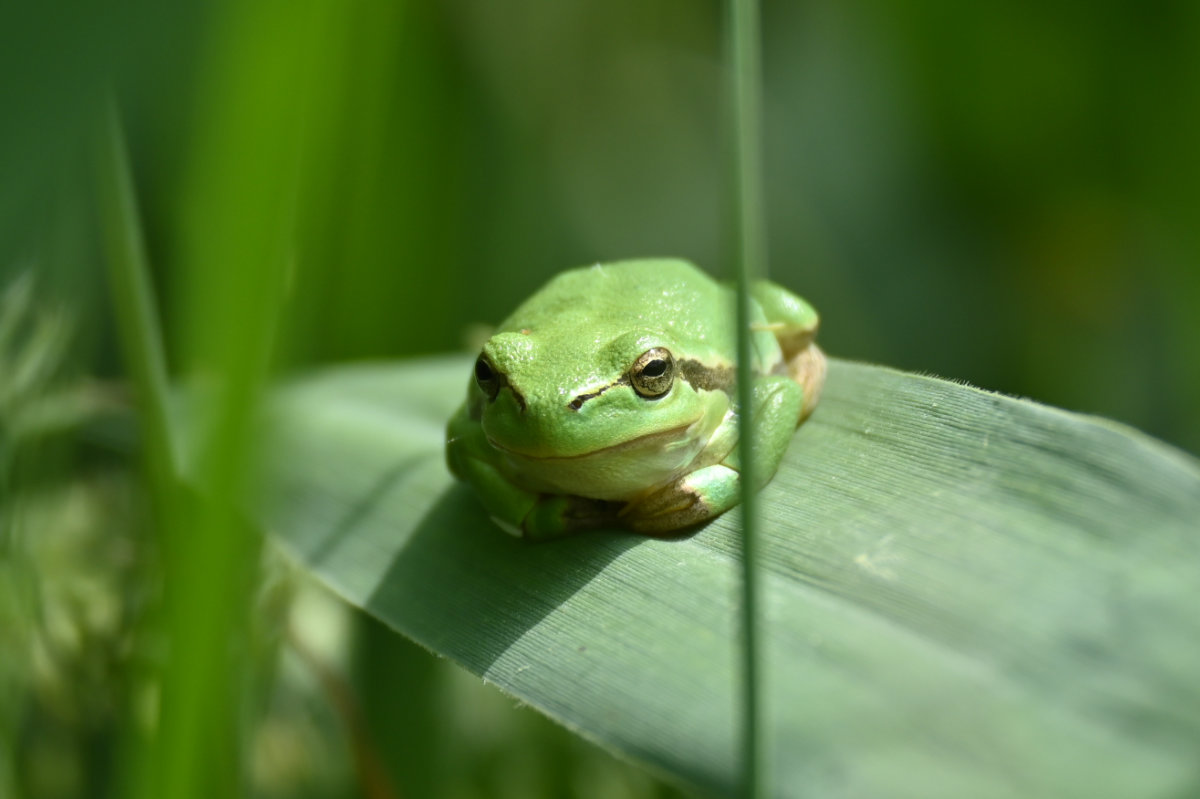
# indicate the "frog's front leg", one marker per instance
pixel 712 490
pixel 517 511
pixel 526 514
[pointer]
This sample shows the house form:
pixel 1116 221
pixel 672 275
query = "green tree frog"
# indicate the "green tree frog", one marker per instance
pixel 607 399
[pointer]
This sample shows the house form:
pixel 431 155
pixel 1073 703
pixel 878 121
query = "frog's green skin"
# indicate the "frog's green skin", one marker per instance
pixel 577 418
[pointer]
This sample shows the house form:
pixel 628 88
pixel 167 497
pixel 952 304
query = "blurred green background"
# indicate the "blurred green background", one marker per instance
pixel 1005 194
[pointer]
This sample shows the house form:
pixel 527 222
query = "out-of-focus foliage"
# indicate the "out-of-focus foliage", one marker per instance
pixel 1005 194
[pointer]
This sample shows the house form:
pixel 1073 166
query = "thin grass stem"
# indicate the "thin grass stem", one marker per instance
pixel 743 32
pixel 133 297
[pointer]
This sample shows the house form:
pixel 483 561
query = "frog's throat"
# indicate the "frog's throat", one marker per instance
pixel 670 434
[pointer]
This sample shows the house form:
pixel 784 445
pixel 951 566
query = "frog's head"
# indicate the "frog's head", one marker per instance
pixel 577 390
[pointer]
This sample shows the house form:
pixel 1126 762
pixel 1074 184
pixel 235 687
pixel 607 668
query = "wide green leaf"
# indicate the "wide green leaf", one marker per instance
pixel 964 594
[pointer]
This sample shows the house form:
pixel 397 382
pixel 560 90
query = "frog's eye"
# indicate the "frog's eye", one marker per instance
pixel 487 378
pixel 653 373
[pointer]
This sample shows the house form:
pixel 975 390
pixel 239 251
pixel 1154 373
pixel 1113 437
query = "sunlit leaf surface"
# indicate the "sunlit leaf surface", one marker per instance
pixel 965 595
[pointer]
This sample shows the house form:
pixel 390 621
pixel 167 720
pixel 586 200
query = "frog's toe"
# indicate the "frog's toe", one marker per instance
pixel 793 320
pixel 556 515
pixel 695 498
pixel 808 369
pixel 665 512
pixel 508 527
pixel 546 519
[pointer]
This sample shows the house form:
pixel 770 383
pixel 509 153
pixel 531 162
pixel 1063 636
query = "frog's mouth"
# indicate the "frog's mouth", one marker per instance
pixel 659 438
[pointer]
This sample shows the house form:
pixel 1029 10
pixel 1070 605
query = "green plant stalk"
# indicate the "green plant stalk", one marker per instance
pixel 142 346
pixel 751 256
pixel 232 254
pixel 265 91
pixel 133 298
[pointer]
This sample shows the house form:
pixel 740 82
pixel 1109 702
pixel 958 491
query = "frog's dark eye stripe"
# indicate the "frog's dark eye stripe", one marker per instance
pixel 653 373
pixel 577 403
pixel 651 376
pixel 709 378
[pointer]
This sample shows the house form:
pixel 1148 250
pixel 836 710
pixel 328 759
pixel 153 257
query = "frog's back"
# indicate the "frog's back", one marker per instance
pixel 665 298
pixel 644 292
pixel 618 296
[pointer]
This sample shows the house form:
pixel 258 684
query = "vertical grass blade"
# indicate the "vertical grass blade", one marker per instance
pixel 234 235
pixel 236 225
pixel 133 297
pixel 751 260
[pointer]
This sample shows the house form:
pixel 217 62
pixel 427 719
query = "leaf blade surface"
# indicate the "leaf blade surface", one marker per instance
pixel 965 594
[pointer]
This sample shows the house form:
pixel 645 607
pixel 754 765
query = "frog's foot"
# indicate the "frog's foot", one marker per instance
pixel 556 515
pixel 522 513
pixel 807 367
pixel 692 499
pixel 794 323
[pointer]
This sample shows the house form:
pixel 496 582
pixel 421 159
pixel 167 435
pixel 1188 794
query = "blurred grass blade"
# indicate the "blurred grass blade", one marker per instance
pixel 751 264
pixel 964 594
pixel 133 297
pixel 236 225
